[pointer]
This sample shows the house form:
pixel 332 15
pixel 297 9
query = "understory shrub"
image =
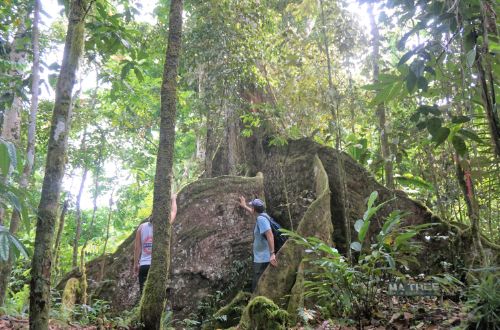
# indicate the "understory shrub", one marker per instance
pixel 340 289
pixel 483 300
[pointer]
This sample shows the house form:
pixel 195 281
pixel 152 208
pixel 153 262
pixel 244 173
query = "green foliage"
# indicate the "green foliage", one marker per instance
pixel 17 303
pixel 10 245
pixel 352 291
pixel 483 300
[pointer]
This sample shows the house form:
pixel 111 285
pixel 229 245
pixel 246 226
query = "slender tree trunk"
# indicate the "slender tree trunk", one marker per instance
pixel 463 173
pixel 60 229
pixel 83 281
pixel 486 73
pixel 341 194
pixel 54 168
pixel 103 255
pixel 153 302
pixel 210 144
pixel 5 269
pixel 78 220
pixel 231 136
pixel 381 111
pixel 11 126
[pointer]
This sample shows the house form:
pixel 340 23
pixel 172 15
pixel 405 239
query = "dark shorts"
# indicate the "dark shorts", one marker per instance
pixel 143 275
pixel 258 269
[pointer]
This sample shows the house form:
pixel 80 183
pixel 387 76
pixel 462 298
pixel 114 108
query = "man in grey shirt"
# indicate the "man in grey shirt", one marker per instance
pixel 263 240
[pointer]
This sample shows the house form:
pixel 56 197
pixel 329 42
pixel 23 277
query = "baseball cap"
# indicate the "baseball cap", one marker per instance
pixel 257 202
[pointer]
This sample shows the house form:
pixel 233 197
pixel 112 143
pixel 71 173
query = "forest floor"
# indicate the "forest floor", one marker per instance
pixel 398 314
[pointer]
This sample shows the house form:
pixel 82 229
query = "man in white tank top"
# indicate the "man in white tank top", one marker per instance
pixel 144 245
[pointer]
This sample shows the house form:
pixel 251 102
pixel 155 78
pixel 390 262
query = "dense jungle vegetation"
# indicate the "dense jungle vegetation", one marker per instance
pixel 106 104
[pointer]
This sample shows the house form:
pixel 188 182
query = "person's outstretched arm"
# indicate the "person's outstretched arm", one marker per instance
pixel 173 212
pixel 137 251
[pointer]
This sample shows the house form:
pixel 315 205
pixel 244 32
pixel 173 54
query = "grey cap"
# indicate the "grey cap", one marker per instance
pixel 257 202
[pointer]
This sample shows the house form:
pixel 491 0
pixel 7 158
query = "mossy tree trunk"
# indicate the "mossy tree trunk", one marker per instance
pixel 153 300
pixel 54 168
pixel 60 229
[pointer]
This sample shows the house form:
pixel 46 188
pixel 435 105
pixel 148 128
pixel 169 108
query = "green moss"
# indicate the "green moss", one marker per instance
pixel 229 315
pixel 264 314
pixel 71 293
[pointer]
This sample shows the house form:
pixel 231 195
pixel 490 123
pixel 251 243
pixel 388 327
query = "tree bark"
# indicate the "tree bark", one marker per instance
pixel 381 110
pixel 341 196
pixel 78 220
pixel 153 302
pixel 464 178
pixel 11 126
pixel 103 255
pixel 488 88
pixel 54 168
pixel 5 269
pixel 60 229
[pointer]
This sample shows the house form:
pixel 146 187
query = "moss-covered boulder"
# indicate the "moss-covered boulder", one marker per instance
pixel 263 314
pixel 229 315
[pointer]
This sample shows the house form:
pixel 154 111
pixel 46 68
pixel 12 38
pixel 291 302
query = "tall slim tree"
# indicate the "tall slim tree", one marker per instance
pixel 54 168
pixel 5 269
pixel 153 302
pixel 381 110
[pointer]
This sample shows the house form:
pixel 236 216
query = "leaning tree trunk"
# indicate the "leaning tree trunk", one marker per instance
pixel 153 302
pixel 54 168
pixel 6 268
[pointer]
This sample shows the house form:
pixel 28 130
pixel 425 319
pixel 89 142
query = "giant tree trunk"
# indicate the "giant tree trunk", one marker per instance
pixel 54 168
pixel 381 113
pixel 153 303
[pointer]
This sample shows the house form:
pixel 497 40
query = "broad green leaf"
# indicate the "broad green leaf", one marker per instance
pixel 373 197
pixel 390 260
pixel 441 135
pixel 358 224
pixel 18 246
pixel 411 82
pixel 471 57
pixel 433 125
pixel 459 145
pixel 363 230
pixel 356 246
pixel 406 57
pixel 4 158
pixel 4 244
